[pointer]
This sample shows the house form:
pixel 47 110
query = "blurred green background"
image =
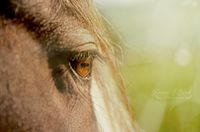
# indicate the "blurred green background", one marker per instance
pixel 161 60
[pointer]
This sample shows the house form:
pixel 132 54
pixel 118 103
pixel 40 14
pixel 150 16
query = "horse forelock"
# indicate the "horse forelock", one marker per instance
pixel 110 110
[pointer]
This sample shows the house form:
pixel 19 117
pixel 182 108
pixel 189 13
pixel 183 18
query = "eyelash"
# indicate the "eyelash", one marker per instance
pixel 82 55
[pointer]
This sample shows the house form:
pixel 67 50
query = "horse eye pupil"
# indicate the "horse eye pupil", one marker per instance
pixel 82 66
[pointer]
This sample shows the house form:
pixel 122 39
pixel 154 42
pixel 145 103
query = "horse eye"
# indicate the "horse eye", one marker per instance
pixel 82 66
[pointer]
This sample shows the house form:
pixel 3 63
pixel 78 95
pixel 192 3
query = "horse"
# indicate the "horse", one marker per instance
pixel 58 70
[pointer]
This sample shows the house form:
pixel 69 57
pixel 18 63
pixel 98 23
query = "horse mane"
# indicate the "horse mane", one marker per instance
pixel 118 108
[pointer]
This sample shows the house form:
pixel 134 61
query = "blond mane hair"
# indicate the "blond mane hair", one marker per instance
pixel 110 82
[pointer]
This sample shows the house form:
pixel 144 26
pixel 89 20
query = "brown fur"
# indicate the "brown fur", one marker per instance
pixel 38 92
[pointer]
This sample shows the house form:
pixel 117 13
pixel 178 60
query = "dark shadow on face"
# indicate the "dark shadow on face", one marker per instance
pixel 58 63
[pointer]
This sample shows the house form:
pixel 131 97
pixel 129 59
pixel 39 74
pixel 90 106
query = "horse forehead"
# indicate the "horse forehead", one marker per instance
pixel 52 20
pixel 47 5
pixel 48 9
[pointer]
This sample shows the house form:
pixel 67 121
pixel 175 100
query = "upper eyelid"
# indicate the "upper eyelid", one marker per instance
pixel 85 54
pixel 68 52
pixel 84 47
pixel 89 47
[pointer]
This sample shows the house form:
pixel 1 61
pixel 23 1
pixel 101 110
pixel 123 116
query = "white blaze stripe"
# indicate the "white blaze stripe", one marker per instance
pixel 102 115
pixel 100 109
pixel 111 113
